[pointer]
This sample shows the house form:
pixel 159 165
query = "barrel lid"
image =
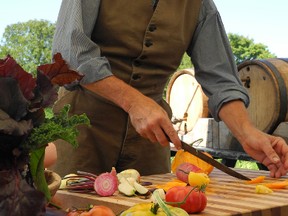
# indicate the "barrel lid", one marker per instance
pixel 186 99
pixel 266 87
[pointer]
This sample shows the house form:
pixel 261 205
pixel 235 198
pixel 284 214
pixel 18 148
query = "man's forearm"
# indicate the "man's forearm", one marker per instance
pixel 236 117
pixel 115 90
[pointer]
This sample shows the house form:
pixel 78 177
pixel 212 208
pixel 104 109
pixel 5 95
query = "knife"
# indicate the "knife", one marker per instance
pixel 212 162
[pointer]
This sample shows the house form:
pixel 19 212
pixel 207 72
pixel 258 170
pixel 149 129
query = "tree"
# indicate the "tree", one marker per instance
pixel 244 49
pixel 185 63
pixel 29 43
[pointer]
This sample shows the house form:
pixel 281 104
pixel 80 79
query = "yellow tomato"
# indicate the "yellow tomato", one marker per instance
pixel 198 179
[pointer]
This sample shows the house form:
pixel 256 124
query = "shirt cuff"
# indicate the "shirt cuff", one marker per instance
pixel 217 100
pixel 94 70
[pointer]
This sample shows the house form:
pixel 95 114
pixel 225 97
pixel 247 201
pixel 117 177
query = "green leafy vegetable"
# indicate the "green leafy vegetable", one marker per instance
pixel 25 131
pixel 58 127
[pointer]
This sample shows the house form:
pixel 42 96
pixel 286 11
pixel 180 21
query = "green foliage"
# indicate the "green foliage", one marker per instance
pixel 48 112
pixel 60 126
pixel 185 63
pixel 244 49
pixel 30 43
pixel 246 165
pixel 37 171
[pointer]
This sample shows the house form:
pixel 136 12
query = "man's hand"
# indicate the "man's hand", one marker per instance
pixel 270 150
pixel 152 122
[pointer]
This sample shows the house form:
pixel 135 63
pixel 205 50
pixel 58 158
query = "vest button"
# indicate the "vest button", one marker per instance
pixel 148 43
pixel 136 76
pixel 152 27
pixel 137 63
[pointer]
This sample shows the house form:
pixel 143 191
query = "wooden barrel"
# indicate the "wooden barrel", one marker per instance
pixel 266 81
pixel 187 100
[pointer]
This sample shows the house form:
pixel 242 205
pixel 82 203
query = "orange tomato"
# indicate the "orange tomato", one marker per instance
pixel 96 210
pixel 99 210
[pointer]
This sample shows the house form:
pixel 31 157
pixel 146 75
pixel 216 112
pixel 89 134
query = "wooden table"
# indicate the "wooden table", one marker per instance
pixel 226 196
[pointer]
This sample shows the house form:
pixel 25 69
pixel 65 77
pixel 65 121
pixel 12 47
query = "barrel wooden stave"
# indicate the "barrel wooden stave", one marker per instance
pixel 266 81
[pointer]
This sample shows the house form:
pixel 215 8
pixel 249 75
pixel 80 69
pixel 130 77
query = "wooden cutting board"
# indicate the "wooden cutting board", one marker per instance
pixel 226 196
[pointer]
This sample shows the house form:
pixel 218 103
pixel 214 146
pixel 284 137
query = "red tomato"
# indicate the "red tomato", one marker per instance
pixel 196 201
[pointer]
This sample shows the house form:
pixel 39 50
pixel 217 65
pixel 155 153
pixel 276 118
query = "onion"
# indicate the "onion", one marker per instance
pixel 106 183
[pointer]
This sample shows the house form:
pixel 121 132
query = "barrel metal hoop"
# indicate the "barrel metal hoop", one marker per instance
pixel 284 59
pixel 282 92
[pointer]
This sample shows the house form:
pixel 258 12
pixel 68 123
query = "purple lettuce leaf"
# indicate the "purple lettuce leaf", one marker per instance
pixel 45 93
pixel 50 77
pixel 17 197
pixel 59 72
pixel 12 100
pixel 10 68
pixel 12 133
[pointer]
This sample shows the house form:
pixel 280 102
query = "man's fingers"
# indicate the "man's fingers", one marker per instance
pixel 271 153
pixel 174 138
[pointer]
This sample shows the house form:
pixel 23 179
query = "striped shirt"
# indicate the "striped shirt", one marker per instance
pixel 210 51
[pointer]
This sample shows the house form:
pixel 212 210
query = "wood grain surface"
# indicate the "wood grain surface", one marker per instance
pixel 226 196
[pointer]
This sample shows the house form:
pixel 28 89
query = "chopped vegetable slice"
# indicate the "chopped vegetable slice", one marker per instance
pixel 277 184
pixel 198 179
pixel 262 189
pixel 258 179
pixel 171 184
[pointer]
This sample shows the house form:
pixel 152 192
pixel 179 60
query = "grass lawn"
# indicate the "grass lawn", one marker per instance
pixel 246 165
pixel 242 164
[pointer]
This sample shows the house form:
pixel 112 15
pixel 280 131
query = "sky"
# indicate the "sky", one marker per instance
pixel 264 21
pixel 14 11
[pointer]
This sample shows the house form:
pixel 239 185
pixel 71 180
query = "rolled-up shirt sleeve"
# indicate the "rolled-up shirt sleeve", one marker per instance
pixel 73 31
pixel 213 60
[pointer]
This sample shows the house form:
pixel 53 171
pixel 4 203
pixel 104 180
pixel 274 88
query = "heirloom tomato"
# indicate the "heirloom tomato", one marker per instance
pixel 96 210
pixel 195 202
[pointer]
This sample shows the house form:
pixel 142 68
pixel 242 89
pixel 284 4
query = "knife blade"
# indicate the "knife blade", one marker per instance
pixel 213 162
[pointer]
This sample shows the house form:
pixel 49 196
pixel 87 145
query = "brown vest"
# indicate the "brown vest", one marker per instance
pixel 144 47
